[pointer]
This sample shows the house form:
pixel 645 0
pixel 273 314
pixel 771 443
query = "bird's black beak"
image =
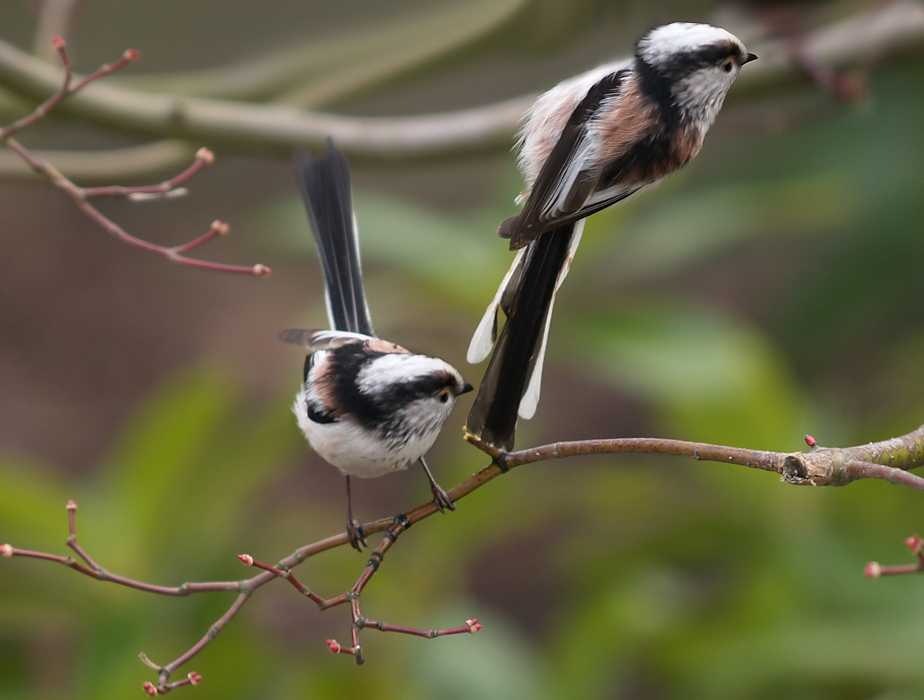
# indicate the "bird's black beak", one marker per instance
pixel 751 57
pixel 466 388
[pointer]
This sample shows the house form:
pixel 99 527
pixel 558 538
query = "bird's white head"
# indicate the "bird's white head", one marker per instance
pixel 414 393
pixel 696 62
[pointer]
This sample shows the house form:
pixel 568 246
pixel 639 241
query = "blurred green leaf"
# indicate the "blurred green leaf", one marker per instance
pixel 500 666
pixel 692 226
pixel 708 376
pixel 32 502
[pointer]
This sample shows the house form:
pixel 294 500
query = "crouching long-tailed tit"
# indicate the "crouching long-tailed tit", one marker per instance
pixel 367 406
pixel 590 142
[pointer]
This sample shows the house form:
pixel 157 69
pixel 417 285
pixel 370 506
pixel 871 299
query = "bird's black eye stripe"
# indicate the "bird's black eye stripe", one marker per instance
pixel 690 61
pixel 374 407
pixel 435 385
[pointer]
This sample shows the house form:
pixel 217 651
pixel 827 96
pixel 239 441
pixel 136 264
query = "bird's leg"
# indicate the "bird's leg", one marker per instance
pixel 440 497
pixel 354 531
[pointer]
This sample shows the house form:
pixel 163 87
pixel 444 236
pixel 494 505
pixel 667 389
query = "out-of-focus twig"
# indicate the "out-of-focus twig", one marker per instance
pixel 81 196
pixel 99 166
pixel 876 570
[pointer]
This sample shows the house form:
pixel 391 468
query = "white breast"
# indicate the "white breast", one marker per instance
pixel 357 452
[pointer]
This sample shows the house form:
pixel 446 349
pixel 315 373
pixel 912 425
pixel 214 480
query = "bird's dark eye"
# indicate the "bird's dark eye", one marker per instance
pixel 727 66
pixel 444 396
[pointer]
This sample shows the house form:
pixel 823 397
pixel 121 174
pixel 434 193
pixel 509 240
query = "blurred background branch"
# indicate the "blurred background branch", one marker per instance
pixel 189 106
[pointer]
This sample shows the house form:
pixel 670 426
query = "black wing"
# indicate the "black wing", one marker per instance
pixel 325 185
pixel 561 164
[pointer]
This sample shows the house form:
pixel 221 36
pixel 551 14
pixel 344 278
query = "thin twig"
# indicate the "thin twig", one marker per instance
pixel 876 570
pixel 284 574
pixel 399 524
pixel 81 196
pixel 245 589
pixel 470 627
pixel 94 570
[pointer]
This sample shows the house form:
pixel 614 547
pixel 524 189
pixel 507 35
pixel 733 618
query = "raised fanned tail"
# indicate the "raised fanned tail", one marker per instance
pixel 325 186
pixel 512 380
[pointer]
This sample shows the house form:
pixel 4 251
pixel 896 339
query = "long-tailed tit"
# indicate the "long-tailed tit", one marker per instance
pixel 590 142
pixel 367 406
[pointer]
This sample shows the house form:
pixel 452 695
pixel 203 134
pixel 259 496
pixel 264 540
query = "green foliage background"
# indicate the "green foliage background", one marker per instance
pixel 771 289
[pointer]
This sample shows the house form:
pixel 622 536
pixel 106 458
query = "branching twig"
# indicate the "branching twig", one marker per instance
pixel 246 587
pixel 81 195
pixel 93 570
pixel 399 524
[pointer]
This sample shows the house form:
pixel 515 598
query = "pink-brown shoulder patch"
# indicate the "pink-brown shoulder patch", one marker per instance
pixel 638 119
pixel 323 387
pixel 687 142
pixel 619 129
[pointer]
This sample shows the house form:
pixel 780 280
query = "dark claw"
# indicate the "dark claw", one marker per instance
pixel 355 534
pixel 442 499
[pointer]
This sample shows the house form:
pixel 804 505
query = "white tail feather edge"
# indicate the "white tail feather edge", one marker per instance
pixel 484 336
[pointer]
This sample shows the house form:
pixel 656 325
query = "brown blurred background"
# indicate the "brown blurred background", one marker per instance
pixel 770 289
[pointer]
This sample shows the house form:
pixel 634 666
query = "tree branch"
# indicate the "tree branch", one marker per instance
pixel 821 466
pixel 335 66
pixel 246 587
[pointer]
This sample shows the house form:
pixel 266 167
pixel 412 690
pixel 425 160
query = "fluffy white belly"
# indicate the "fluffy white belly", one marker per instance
pixel 354 452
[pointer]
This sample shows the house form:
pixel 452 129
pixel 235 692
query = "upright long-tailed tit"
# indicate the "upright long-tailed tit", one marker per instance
pixel 367 406
pixel 590 142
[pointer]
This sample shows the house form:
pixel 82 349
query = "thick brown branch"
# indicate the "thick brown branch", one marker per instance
pixel 822 466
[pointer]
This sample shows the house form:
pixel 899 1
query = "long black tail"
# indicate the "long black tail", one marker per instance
pixel 325 184
pixel 494 413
